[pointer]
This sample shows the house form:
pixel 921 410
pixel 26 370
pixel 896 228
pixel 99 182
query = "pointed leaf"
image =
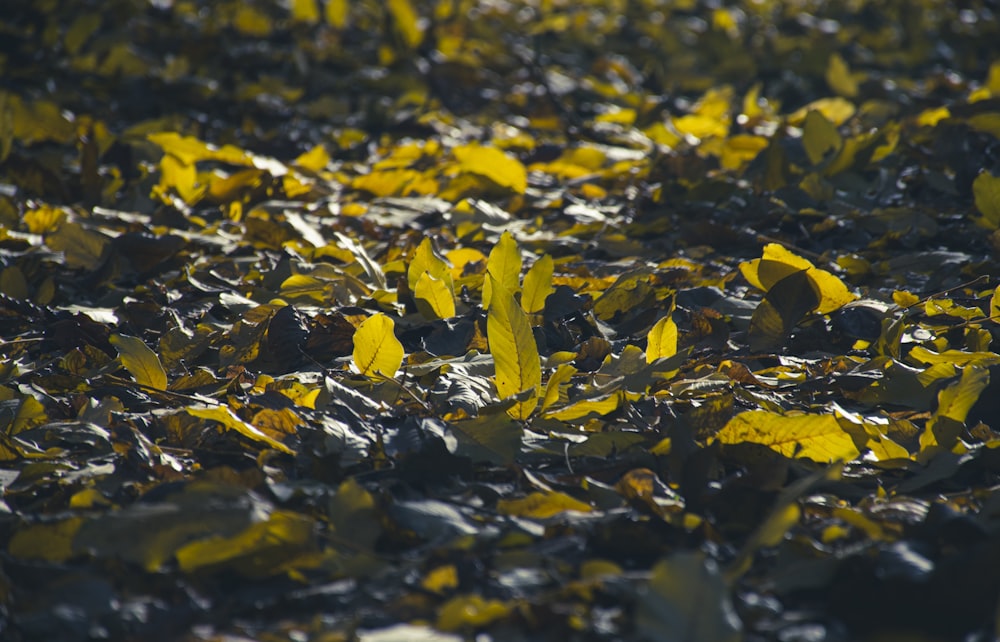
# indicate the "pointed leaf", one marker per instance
pixel 661 342
pixel 434 299
pixel 515 355
pixel 561 376
pixel 225 416
pixel 141 362
pixel 504 265
pixel 377 351
pixel 537 285
pixel 819 137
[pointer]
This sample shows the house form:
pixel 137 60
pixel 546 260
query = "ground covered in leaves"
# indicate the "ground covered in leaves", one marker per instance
pixel 540 319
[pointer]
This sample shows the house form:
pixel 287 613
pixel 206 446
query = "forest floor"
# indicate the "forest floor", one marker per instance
pixel 512 320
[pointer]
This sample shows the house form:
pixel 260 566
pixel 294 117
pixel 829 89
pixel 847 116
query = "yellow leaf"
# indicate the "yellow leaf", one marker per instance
pixel 258 550
pixel 141 362
pixel 986 190
pixel 504 265
pixel 305 11
pixel 515 355
pixel 777 263
pixel 541 505
pixel 314 160
pixel 561 376
pixel 189 150
pixel 836 110
pixel 588 408
pixel 819 137
pixel 501 168
pixel 741 149
pixel 225 416
pixel 407 22
pixel 840 78
pixel 425 259
pixel 661 342
pixel 468 612
pixel 51 542
pixel 336 13
pixel 377 351
pixel 701 126
pixel 817 437
pixel 537 285
pixel 434 299
pixel 995 305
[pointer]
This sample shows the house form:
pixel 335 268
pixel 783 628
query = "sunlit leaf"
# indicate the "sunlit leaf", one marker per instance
pixel 504 266
pixel 494 164
pixel 434 299
pixel 377 351
pixel 661 342
pixel 512 344
pixel 256 552
pixel 406 21
pixel 553 387
pixel 141 362
pixel 537 285
pixel 470 612
pixel 541 505
pixel 337 12
pixel 225 416
pixel 816 437
pixel 778 262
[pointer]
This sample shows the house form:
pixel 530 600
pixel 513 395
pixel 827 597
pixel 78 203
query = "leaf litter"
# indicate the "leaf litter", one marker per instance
pixel 593 320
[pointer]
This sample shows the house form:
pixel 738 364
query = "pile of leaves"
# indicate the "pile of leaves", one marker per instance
pixel 540 319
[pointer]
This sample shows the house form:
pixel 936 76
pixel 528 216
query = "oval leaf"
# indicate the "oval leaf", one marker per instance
pixel 816 437
pixel 377 351
pixel 494 164
pixel 141 362
pixel 515 355
pixel 661 342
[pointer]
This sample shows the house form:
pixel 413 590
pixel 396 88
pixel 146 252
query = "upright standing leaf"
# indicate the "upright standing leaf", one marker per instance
pixel 141 362
pixel 504 265
pixel 515 355
pixel 986 190
pixel 434 299
pixel 661 342
pixel 377 351
pixel 407 22
pixel 425 259
pixel 537 285
pixel 336 13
